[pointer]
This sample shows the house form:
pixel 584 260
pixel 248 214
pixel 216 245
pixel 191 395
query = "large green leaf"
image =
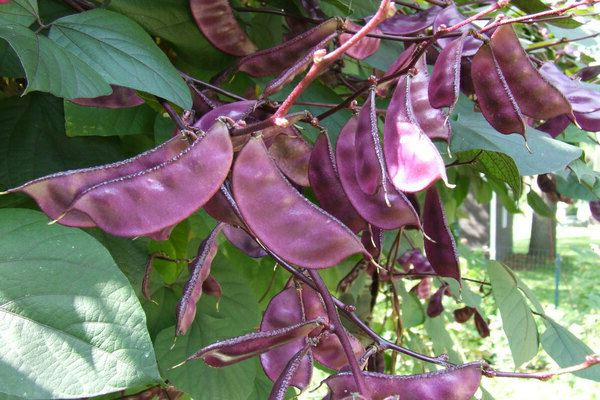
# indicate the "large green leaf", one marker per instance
pixel 33 141
pixel 471 131
pixel 517 320
pixel 122 52
pixel 50 68
pixel 99 121
pixel 237 314
pixel 21 12
pixel 494 164
pixel 539 206
pixel 566 349
pixel 71 324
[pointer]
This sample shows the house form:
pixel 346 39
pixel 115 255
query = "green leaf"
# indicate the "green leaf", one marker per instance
pixel 237 314
pixel 71 323
pixel 99 121
pixel 20 12
pixel 567 350
pixel 471 131
pixel 50 68
pixel 122 52
pixel 539 205
pixel 502 191
pixel 441 339
pixel 517 320
pixel 412 309
pixel 568 185
pixel 494 164
pixel 10 66
pixel 34 143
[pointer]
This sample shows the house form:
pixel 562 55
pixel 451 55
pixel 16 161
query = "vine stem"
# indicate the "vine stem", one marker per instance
pixel 321 60
pixel 338 328
pixel 497 5
pixel 590 360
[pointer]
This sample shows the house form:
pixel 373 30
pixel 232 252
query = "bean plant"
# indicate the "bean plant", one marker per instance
pixel 305 160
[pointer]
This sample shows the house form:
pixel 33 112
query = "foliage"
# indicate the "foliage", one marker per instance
pixel 306 169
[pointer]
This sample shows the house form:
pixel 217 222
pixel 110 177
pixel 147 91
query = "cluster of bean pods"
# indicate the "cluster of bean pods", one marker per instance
pixel 363 188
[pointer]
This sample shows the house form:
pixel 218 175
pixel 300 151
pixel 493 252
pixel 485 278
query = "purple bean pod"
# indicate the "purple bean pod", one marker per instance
pixel 185 310
pixel 222 207
pixel 286 377
pixel 217 22
pixel 291 152
pixel 450 16
pixel 365 47
pixel 151 200
pixel 282 219
pixel 435 306
pixel 408 24
pixel 413 161
pixel 444 85
pixel 121 97
pixel 582 100
pixel 212 287
pixel 243 241
pixel 392 213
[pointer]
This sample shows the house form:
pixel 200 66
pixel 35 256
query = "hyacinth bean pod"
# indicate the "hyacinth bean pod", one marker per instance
pixel 236 111
pixel 151 200
pixel 431 120
pixel 222 207
pixel 365 47
pixel 291 153
pixel 413 161
pixel 582 100
pixel 481 325
pixel 588 121
pixel 462 315
pixel 231 351
pixel 279 58
pixel 401 62
pixel 450 16
pixel 297 68
pixel 325 183
pixel 121 97
pixel 217 22
pixel 54 193
pixel 595 209
pixel 368 163
pixel 212 287
pixel 454 383
pixel 535 96
pixel 435 306
pixel 555 126
pixel 495 98
pixel 285 379
pixel 391 214
pixel 444 84
pixel 243 241
pixel 185 311
pixel 406 24
pixel 329 352
pixel 282 219
pixel 439 243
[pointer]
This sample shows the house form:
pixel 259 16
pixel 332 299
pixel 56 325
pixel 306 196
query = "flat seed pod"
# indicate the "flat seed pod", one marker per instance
pixel 455 383
pixel 450 16
pixel 413 161
pixel 159 197
pixel 212 287
pixel 391 214
pixel 433 122
pixel 368 162
pixel 217 22
pixel 244 242
pixel 435 306
pixel 291 153
pixel 440 247
pixel 222 207
pixel 238 110
pixel 595 209
pixel 555 126
pixel 495 98
pixel 444 84
pixel 285 379
pixel 365 47
pixel 325 183
pixel 185 311
pixel 121 97
pixel 329 351
pixel 582 100
pixel 54 193
pixel 279 58
pixel 282 219
pixel 406 24
pixel 535 96
pixel 462 315
pixel 481 325
pixel 588 121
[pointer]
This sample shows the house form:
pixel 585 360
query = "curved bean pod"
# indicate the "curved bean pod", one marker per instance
pixel 284 220
pixel 244 242
pixel 287 375
pixel 326 185
pixel 365 47
pixel 413 161
pixel 277 59
pixel 217 22
pixel 392 213
pixel 121 97
pixel 450 16
pixel 535 96
pixel 291 153
pixel 222 207
pixel 54 193
pixel 454 383
pixel 406 24
pixel 444 85
pixel 582 100
pixel 156 198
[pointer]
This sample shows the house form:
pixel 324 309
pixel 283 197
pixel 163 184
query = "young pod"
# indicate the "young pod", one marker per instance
pixel 413 161
pixel 389 210
pixel 217 22
pixel 284 220
pixel 595 209
pixel 462 315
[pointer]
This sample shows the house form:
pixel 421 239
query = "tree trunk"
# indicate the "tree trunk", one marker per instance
pixel 543 235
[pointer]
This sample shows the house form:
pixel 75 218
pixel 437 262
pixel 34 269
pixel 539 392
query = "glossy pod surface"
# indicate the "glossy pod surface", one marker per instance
pixel 282 219
pixel 151 200
pixel 444 84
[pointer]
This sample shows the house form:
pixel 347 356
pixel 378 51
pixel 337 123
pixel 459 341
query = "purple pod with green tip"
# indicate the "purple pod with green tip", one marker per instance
pixel 386 213
pixel 454 383
pixel 157 198
pixel 325 183
pixel 413 161
pixel 212 287
pixel 439 243
pixel 282 219
pixel 217 22
pixel 185 311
